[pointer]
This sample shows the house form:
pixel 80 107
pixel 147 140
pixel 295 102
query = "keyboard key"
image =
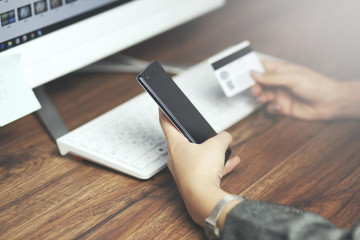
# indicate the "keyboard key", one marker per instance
pixel 151 157
pixel 140 164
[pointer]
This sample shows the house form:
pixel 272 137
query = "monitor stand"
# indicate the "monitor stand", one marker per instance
pixel 48 115
pixel 120 63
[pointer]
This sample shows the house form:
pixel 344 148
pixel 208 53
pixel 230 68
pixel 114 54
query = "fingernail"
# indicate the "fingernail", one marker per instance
pixel 276 108
pixel 260 99
pixel 254 90
pixel 256 74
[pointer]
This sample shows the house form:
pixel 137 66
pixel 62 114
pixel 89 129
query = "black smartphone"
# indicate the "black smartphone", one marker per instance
pixel 176 106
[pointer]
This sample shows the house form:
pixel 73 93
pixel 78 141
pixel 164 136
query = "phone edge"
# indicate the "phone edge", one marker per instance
pixel 164 109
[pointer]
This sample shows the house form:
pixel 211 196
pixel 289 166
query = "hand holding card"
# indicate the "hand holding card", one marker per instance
pixel 232 68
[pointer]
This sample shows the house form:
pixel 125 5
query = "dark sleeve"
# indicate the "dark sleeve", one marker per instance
pixel 255 220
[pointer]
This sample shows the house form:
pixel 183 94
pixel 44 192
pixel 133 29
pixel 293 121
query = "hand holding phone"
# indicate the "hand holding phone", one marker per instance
pixel 175 105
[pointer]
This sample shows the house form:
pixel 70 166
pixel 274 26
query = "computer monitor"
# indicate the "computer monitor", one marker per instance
pixel 56 37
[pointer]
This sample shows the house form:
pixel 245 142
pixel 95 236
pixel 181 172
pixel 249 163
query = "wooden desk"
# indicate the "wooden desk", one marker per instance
pixel 311 165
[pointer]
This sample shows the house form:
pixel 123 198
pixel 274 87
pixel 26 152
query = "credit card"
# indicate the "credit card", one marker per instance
pixel 232 68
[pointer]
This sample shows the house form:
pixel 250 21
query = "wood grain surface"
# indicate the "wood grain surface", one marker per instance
pixel 312 165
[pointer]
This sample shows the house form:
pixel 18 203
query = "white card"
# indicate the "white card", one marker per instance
pixel 232 68
pixel 16 98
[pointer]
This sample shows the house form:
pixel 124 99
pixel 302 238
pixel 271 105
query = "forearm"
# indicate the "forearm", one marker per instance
pixel 201 201
pixel 259 220
pixel 347 103
pixel 262 220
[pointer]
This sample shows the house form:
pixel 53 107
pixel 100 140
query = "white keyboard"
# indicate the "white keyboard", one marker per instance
pixel 129 138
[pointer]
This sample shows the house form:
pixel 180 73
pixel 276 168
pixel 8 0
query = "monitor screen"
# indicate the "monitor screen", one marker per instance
pixel 23 21
pixel 56 37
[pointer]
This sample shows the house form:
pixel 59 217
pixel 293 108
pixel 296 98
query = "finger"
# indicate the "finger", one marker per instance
pixel 279 67
pixel 274 108
pixel 294 109
pixel 256 90
pixel 287 80
pixel 171 133
pixel 281 103
pixel 267 96
pixel 230 165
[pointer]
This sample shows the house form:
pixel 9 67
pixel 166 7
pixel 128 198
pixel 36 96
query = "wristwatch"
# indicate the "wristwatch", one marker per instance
pixel 212 230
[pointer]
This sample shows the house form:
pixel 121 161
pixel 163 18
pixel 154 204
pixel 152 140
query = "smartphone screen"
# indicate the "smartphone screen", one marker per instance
pixel 173 102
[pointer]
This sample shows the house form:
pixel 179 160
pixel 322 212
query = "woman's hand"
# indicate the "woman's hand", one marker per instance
pixel 296 91
pixel 198 169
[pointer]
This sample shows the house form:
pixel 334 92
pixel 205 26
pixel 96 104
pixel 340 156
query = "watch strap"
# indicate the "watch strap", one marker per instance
pixel 212 230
